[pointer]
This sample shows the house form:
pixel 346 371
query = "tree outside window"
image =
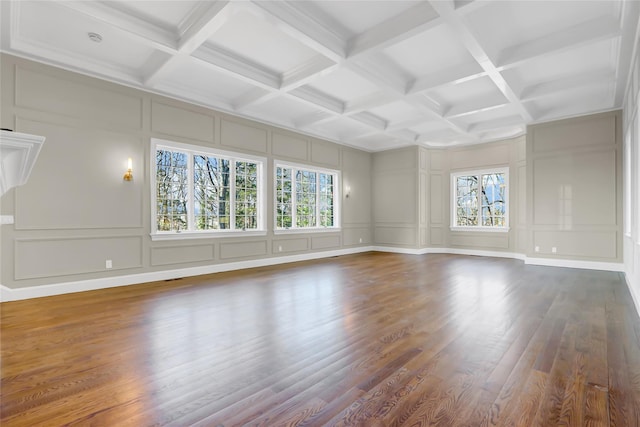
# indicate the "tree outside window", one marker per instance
pixel 480 199
pixel 205 192
pixel 305 197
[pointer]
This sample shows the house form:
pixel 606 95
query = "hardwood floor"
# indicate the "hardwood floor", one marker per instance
pixel 372 339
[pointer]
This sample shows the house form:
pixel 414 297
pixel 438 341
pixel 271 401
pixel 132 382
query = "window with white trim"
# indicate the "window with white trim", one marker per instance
pixel 480 200
pixel 306 197
pixel 199 191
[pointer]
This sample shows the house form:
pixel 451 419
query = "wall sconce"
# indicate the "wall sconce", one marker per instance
pixel 128 176
pixel 347 191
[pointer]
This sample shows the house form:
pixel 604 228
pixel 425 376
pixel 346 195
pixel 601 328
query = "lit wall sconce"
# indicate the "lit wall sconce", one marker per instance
pixel 347 191
pixel 129 175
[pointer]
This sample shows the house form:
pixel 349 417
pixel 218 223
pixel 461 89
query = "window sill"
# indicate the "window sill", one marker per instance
pixel 482 229
pixel 186 235
pixel 307 230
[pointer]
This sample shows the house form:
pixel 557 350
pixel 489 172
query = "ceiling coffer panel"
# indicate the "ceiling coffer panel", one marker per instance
pixel 370 74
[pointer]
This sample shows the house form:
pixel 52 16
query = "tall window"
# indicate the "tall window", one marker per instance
pixel 198 190
pixel 480 200
pixel 305 197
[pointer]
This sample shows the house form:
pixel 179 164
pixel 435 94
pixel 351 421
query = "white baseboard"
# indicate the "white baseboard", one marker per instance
pixel 570 263
pixel 634 296
pixel 8 294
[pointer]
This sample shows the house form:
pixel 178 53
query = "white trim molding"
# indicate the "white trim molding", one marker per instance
pixel 635 298
pixel 8 294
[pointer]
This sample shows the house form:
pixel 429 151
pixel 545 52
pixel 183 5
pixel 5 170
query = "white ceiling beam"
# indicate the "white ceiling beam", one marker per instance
pixel 370 101
pixel 409 23
pixel 307 72
pixel 237 66
pixel 299 76
pixel 571 38
pixel 292 20
pixel 370 120
pixel 475 48
pixel 216 14
pixel 319 99
pixel 196 32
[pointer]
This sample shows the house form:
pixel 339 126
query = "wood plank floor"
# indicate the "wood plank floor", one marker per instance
pixel 371 339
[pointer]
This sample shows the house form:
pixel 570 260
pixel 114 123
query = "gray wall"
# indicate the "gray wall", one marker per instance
pixel 631 126
pixel 565 192
pixel 76 211
pixel 575 188
pixel 412 203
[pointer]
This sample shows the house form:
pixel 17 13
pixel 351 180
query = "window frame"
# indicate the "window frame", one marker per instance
pixel 337 186
pixel 453 205
pixel 195 150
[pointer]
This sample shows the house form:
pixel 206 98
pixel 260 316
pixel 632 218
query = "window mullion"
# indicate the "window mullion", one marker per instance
pixel 480 209
pixel 232 194
pixel 317 199
pixel 191 200
pixel 294 199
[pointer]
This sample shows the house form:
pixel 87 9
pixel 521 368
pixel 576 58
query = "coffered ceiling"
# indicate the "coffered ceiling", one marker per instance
pixel 371 74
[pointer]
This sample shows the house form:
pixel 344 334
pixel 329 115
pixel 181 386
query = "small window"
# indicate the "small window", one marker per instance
pixel 480 200
pixel 306 198
pixel 199 192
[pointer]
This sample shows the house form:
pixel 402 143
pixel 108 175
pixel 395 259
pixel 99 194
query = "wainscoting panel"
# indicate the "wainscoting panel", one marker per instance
pixel 168 255
pixel 238 135
pixel 49 257
pixel 181 122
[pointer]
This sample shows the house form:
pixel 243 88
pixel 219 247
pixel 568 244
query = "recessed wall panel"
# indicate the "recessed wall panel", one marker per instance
pixel 71 98
pixel 289 147
pixel 575 133
pixel 356 209
pixel 89 191
pixel 51 257
pixel 404 159
pixel 582 244
pixel 480 158
pixel 324 153
pixel 281 246
pixel 325 242
pixel 575 189
pixel 480 240
pixel 181 122
pixel 356 236
pixel 436 236
pixel 395 236
pixel 395 197
pixel 168 255
pixel 229 250
pixel 238 135
pixel 436 204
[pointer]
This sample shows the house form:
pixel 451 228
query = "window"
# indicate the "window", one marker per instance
pixel 480 200
pixel 305 197
pixel 200 192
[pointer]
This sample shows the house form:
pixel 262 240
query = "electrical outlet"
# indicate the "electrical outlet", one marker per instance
pixel 537 249
pixel 361 240
pixel 108 264
pixel 280 248
pixel 554 250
